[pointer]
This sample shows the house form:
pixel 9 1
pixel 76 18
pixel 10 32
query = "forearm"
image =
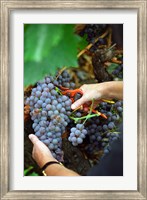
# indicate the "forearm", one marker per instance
pixel 43 157
pixel 59 170
pixel 98 91
pixel 111 90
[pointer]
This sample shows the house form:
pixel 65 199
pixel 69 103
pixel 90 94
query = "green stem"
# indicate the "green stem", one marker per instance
pixel 84 117
pixel 91 107
pixel 58 90
pixel 76 119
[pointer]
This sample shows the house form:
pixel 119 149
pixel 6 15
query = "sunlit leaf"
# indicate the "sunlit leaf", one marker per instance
pixel 39 40
pixel 55 50
pixel 27 170
pixel 33 174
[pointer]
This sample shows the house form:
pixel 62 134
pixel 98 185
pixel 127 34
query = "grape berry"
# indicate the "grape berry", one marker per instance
pixel 77 134
pixel 93 31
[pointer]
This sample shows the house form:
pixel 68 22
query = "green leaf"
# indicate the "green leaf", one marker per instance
pixel 82 43
pixel 35 71
pixel 27 170
pixel 65 53
pixel 39 40
pixel 33 174
pixel 57 48
pixel 112 67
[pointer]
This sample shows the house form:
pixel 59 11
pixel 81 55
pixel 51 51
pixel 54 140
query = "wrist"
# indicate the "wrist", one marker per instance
pixel 102 90
pixel 48 164
pixel 54 170
pixel 42 162
pixel 59 170
pixel 112 90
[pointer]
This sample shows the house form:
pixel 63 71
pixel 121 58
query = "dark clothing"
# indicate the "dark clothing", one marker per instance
pixel 112 163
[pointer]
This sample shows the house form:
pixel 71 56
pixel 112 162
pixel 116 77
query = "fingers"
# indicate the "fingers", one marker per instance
pixel 33 138
pixel 78 103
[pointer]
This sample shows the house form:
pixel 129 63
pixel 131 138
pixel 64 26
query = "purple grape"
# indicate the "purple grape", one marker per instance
pixel 38 93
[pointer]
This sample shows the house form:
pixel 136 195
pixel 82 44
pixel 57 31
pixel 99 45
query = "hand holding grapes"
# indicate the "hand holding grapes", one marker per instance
pixel 41 152
pixel 42 155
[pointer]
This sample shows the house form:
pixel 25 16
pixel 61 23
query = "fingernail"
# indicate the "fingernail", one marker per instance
pixel 73 106
pixel 30 136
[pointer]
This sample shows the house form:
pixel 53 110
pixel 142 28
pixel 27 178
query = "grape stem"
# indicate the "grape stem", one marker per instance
pixel 91 44
pixel 89 114
pixel 60 72
pixel 58 90
pixel 76 119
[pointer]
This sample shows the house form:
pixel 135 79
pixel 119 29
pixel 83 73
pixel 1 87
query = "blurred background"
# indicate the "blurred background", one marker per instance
pixel 48 47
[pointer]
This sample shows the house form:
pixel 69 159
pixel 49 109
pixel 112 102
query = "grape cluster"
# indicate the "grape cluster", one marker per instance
pixel 93 31
pixel 64 80
pixel 77 134
pixel 50 113
pixel 102 132
pixel 118 72
pixel 98 44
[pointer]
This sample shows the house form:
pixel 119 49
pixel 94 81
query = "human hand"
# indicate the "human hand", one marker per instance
pixel 90 92
pixel 41 154
pixel 98 92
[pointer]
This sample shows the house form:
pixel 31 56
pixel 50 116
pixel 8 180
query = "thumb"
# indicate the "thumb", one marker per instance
pixel 78 103
pixel 34 139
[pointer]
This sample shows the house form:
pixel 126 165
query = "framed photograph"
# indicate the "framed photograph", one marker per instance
pixel 14 16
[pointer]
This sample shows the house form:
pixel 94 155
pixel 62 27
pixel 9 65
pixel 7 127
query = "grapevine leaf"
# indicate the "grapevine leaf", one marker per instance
pixel 34 174
pixel 65 53
pixel 112 67
pixel 82 44
pixel 48 49
pixel 27 170
pixel 35 71
pixel 39 40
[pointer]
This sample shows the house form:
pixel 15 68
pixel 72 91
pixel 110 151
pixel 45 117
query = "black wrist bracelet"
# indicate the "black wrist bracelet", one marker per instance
pixel 49 163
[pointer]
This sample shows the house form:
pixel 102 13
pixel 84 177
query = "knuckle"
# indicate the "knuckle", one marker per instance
pixel 83 87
